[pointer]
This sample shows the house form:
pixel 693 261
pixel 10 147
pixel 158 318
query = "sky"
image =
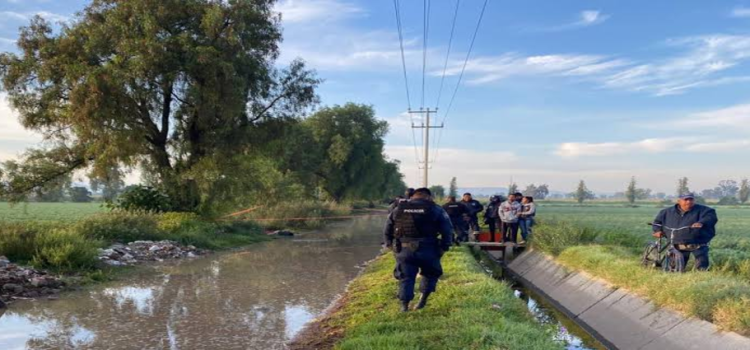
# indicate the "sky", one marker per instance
pixel 553 91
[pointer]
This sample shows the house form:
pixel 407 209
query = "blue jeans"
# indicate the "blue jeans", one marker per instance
pixel 525 225
pixel 701 257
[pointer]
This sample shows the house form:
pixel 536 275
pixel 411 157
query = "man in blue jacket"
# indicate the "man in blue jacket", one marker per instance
pixel 474 208
pixel 700 221
pixel 412 232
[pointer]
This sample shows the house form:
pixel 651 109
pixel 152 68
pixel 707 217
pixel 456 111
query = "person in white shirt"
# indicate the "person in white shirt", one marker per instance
pixel 508 213
pixel 526 219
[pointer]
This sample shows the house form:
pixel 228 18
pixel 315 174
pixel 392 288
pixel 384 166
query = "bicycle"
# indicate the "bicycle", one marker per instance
pixel 664 256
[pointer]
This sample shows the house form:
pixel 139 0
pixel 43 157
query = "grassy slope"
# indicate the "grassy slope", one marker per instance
pixel 48 212
pixel 469 311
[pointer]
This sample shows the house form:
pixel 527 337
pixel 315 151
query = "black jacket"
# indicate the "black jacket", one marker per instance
pixel 474 207
pixel 456 210
pixel 674 217
pixel 491 212
pixel 437 214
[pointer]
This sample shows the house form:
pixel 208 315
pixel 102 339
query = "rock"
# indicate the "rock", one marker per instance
pixel 53 297
pixel 39 282
pixel 191 255
pixel 13 288
pixel 4 262
pixel 154 248
pixel 32 294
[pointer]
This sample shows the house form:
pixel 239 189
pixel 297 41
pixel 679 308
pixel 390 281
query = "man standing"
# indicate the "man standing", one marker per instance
pixel 458 213
pixel 509 211
pixel 407 195
pixel 491 217
pixel 412 232
pixel 474 208
pixel 700 222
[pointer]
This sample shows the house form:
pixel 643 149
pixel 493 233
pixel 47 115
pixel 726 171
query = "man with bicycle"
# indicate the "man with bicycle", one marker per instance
pixel 699 223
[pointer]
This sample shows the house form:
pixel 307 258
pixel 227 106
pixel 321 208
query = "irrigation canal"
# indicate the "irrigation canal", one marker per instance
pixel 256 298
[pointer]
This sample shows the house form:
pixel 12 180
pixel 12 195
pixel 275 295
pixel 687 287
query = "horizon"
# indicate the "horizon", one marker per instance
pixel 561 92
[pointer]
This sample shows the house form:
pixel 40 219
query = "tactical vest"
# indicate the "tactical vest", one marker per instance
pixel 453 210
pixel 414 221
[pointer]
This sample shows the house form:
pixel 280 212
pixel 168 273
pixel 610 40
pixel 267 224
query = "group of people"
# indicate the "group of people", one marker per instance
pixel 419 232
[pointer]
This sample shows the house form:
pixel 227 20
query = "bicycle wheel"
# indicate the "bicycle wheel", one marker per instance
pixel 673 261
pixel 651 256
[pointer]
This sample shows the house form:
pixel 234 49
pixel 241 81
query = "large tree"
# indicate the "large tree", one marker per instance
pixel 682 186
pixel 631 193
pixel 744 192
pixel 582 193
pixel 453 188
pixel 172 86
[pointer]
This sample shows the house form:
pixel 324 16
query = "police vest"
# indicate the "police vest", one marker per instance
pixel 414 221
pixel 454 210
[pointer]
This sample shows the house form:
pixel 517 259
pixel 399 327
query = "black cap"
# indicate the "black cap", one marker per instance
pixel 423 190
pixel 467 194
pixel 409 192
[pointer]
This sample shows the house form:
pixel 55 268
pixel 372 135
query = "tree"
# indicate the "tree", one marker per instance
pixel 682 186
pixel 349 142
pixel 582 193
pixel 112 184
pixel 728 188
pixel 79 194
pixel 542 191
pixel 453 188
pixel 175 87
pixel 632 192
pixel 512 188
pixel 438 191
pixel 744 192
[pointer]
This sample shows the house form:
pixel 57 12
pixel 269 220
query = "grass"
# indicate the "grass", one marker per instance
pixel 48 212
pixel 297 214
pixel 606 241
pixel 469 311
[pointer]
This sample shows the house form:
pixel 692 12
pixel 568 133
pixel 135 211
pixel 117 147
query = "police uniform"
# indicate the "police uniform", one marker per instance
pixel 456 212
pixel 474 208
pixel 412 231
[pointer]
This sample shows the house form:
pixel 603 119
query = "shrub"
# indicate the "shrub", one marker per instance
pixel 65 249
pixel 554 237
pixel 729 200
pixel 120 226
pixel 301 214
pixel 143 198
pixel 18 240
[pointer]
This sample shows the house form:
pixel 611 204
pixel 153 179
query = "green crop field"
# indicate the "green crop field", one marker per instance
pixel 48 211
pixel 733 230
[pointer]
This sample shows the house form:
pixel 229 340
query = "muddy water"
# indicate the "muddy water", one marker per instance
pixel 252 299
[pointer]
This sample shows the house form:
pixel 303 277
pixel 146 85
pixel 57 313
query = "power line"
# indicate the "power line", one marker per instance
pixel 448 53
pixel 426 33
pixel 463 69
pixel 466 61
pixel 397 7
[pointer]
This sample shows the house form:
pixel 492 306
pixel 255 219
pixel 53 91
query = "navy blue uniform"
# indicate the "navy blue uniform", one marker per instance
pixel 474 208
pixel 458 212
pixel 694 240
pixel 412 231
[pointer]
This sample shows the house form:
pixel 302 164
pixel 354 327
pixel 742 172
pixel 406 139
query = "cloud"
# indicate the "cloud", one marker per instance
pixel 305 11
pixel 591 17
pixel 740 12
pixel 650 146
pixel 729 118
pixel 705 61
pixel 25 16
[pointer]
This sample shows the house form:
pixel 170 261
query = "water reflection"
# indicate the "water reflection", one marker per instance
pixel 252 299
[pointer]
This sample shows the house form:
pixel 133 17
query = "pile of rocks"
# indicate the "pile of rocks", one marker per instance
pixel 139 251
pixel 17 282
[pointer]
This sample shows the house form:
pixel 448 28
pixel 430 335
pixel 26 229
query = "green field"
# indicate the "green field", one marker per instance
pixel 48 211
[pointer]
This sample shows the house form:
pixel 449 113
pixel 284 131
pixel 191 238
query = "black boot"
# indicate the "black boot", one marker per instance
pixel 422 301
pixel 404 306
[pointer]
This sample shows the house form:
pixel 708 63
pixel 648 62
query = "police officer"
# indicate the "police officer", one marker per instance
pixel 407 195
pixel 491 216
pixel 474 208
pixel 458 213
pixel 412 232
pixel 700 223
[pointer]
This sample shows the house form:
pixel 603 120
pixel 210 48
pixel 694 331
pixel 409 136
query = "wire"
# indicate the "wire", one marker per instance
pixel 460 77
pixel 397 6
pixel 426 34
pixel 466 61
pixel 448 53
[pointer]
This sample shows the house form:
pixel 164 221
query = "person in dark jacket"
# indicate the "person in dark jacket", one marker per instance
pixel 700 222
pixel 491 216
pixel 419 232
pixel 409 192
pixel 458 213
pixel 474 208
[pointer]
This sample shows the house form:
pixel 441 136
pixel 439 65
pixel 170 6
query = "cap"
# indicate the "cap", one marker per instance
pixel 423 190
pixel 688 195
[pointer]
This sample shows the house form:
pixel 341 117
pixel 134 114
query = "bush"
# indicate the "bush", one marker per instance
pixel 729 201
pixel 302 214
pixel 143 198
pixel 18 240
pixel 65 249
pixel 120 226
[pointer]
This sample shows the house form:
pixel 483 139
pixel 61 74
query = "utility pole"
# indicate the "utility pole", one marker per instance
pixel 426 126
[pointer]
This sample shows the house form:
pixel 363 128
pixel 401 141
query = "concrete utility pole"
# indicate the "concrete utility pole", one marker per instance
pixel 426 126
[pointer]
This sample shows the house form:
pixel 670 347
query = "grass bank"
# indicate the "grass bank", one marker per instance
pixel 469 311
pixel 70 247
pixel 721 296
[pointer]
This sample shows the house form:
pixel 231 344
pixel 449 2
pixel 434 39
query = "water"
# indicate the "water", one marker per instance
pixel 257 298
pixel 566 331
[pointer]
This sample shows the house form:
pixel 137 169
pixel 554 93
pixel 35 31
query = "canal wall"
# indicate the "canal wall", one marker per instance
pixel 616 317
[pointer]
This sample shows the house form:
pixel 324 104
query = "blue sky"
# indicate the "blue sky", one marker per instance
pixel 554 91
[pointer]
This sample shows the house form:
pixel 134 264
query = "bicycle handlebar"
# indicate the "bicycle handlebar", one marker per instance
pixel 669 228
